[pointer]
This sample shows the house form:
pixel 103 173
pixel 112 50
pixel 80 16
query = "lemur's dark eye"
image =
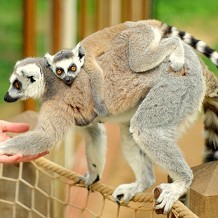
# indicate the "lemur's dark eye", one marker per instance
pixel 31 79
pixel 59 71
pixel 73 68
pixel 17 85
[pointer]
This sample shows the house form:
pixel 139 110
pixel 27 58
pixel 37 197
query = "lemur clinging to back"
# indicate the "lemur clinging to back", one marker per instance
pixel 151 107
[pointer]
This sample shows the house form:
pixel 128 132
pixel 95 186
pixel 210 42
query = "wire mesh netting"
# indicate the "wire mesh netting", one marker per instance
pixel 42 189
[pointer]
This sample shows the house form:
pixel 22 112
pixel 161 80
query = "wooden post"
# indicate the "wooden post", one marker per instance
pixel 82 19
pixel 29 38
pixel 126 10
pixel 146 9
pixel 56 18
pixel 68 24
pixel 136 11
pixel 203 194
pixel 102 18
pixel 115 12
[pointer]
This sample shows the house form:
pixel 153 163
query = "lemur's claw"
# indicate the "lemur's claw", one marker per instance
pixel 88 181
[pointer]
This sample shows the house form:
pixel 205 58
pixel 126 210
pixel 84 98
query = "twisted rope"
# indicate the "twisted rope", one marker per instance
pixel 178 209
pixel 106 190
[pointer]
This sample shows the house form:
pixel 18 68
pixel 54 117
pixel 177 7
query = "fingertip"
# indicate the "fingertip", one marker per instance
pixel 23 127
pixel 19 156
pixel 15 127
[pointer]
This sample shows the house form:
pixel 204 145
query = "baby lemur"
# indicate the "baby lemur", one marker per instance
pixel 151 107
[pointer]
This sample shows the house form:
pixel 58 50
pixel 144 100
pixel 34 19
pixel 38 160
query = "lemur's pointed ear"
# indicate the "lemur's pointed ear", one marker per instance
pixel 79 51
pixel 49 58
pixel 17 63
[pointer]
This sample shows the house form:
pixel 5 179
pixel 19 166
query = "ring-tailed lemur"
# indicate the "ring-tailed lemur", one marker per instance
pixel 152 108
pixel 150 41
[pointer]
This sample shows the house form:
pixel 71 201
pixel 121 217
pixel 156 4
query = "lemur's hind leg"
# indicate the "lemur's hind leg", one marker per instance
pixel 154 128
pixel 96 142
pixel 147 49
pixel 164 151
pixel 141 166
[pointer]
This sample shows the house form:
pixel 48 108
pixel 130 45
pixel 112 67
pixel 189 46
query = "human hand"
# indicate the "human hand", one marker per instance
pixel 11 127
pixel 16 128
pixel 12 159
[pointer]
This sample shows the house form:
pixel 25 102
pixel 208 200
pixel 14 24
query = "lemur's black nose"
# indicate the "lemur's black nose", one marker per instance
pixel 68 80
pixel 8 98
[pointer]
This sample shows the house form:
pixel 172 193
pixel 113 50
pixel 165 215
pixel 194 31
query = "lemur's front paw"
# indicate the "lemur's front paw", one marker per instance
pixel 169 195
pixel 89 179
pixel 124 193
pixel 93 175
pixel 177 63
pixel 5 151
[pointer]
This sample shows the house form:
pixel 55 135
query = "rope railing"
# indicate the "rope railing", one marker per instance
pixel 179 210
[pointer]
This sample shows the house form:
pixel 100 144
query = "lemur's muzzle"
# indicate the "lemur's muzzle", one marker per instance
pixel 8 98
pixel 68 80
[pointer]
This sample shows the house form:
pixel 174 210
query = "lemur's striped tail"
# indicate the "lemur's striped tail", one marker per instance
pixel 211 129
pixel 197 44
pixel 210 106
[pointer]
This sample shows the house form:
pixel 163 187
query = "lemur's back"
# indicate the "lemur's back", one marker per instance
pixel 101 41
pixel 125 89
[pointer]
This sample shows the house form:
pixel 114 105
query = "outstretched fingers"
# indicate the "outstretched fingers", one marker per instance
pixel 13 127
pixel 12 159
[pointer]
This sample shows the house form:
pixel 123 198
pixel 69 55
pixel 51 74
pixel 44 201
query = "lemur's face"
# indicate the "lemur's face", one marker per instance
pixel 66 64
pixel 67 69
pixel 26 81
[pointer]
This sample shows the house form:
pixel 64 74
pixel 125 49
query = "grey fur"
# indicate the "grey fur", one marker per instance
pixel 152 108
pixel 63 54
